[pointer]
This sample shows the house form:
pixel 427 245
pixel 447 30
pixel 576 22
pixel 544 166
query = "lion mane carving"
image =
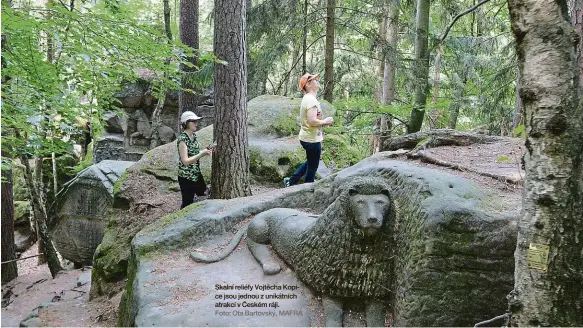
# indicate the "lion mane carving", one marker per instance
pixel 346 252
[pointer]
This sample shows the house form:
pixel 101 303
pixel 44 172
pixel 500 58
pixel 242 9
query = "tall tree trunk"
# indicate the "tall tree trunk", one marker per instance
pixel 230 167
pixel 7 247
pixel 167 28
pixel 329 58
pixel 382 53
pixel 293 76
pixel 157 113
pixel 9 270
pixel 188 36
pixel 388 32
pixel 40 216
pixel 577 21
pixel 305 38
pixel 548 289
pixel 434 113
pixel 421 66
pixel 40 191
pixel 391 56
pixel 458 94
pixel 517 104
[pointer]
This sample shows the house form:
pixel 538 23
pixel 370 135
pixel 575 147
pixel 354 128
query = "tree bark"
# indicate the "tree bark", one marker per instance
pixel 329 58
pixel 40 191
pixel 7 247
pixel 388 32
pixel 516 118
pixel 305 38
pixel 458 94
pixel 230 167
pixel 577 21
pixel 167 28
pixel 40 216
pixel 382 53
pixel 156 114
pixel 437 138
pixel 188 36
pixel 548 288
pixel 390 68
pixel 421 66
pixel 434 113
pixel 9 270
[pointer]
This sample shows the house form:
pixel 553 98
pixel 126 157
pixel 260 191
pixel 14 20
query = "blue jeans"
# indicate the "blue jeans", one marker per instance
pixel 310 166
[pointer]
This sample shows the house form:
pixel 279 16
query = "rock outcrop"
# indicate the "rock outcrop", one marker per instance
pixel 453 257
pixel 128 132
pixel 82 208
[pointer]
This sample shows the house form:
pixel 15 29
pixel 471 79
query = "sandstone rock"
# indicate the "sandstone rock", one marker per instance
pixel 131 95
pixel 109 147
pixel 166 134
pixel 143 125
pixel 115 122
pixel 453 262
pixel 23 234
pixel 277 115
pixel 80 213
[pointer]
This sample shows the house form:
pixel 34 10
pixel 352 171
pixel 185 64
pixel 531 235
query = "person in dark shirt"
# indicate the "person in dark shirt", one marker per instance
pixel 190 178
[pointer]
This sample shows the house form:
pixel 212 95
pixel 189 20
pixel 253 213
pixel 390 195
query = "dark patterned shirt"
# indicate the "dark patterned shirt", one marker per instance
pixel 192 171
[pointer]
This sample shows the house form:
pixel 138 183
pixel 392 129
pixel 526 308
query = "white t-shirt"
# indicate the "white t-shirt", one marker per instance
pixel 310 133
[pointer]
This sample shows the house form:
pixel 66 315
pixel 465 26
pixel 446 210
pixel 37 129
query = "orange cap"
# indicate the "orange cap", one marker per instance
pixel 306 78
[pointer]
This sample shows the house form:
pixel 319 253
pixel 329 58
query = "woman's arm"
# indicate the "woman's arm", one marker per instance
pixel 183 152
pixel 313 121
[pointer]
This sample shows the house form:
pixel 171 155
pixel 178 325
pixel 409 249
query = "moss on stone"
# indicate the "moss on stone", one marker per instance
pixel 337 151
pixel 117 185
pixel 166 220
pixel 87 160
pixel 21 212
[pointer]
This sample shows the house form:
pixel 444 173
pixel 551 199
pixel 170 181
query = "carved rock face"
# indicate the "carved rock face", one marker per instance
pixel 370 211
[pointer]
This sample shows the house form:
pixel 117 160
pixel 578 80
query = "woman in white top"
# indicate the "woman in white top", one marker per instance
pixel 311 135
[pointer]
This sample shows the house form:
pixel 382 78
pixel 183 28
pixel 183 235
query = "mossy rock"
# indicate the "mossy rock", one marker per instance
pixel 278 115
pixel 21 212
pixel 272 160
pixel 338 153
pixel 162 161
pixel 19 184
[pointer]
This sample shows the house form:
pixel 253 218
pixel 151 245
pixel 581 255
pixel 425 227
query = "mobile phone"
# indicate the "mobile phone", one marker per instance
pixel 212 147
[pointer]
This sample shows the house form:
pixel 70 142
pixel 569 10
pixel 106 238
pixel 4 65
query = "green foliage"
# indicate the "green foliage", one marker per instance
pixel 477 68
pixel 95 50
pixel 87 160
pixel 338 152
pixel 503 159
pixel 520 131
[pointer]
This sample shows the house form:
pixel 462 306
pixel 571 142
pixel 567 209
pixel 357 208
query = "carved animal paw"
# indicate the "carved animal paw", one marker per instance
pixel 271 268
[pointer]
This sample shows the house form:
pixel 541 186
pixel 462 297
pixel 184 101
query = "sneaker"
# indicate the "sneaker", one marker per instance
pixel 286 182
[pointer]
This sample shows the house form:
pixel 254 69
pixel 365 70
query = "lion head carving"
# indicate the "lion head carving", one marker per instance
pixel 348 251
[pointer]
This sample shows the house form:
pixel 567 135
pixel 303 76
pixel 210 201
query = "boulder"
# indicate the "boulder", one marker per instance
pixel 270 115
pixel 109 147
pixel 115 122
pixel 132 94
pixel 271 159
pixel 166 134
pixel 147 191
pixel 453 260
pixel 23 233
pixel 81 210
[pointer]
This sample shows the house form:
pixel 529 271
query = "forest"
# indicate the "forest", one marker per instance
pixel 487 90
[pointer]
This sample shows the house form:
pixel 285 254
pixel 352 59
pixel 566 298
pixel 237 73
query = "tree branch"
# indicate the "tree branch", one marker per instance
pixel 458 16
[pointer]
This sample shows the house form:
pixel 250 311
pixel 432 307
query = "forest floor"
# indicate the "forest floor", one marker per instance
pixel 68 293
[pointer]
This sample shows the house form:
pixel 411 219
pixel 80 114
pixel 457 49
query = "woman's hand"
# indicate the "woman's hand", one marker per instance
pixel 206 152
pixel 328 121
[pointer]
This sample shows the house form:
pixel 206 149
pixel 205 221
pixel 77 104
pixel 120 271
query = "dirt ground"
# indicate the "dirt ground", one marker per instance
pixel 68 295
pixel 70 305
